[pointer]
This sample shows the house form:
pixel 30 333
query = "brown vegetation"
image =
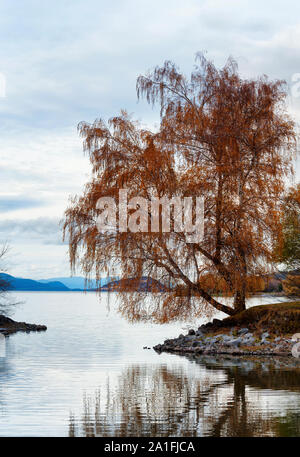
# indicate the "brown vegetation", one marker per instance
pixel 221 137
pixel 291 285
pixel 278 318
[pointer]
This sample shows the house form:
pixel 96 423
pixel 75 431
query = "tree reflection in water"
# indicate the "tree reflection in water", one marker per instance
pixel 225 397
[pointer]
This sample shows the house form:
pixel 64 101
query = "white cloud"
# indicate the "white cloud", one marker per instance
pixel 67 61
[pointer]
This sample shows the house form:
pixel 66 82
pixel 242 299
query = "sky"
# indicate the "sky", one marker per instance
pixel 66 61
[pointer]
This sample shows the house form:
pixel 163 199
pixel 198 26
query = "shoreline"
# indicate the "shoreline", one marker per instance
pixel 263 330
pixel 8 326
pixel 237 342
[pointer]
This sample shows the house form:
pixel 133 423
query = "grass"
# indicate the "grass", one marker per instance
pixel 277 318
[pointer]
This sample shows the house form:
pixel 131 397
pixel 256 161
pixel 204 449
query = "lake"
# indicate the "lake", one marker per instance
pixel 88 375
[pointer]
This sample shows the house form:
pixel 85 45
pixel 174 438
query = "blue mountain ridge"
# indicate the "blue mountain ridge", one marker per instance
pixel 78 282
pixel 24 284
pixel 107 284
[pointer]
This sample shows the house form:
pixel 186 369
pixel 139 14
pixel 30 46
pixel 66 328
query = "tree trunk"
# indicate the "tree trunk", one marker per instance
pixel 239 303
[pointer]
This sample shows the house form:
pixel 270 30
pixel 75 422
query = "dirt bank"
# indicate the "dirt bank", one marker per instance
pixel 8 326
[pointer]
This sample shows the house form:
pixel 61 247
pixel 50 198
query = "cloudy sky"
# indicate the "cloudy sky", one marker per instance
pixel 64 61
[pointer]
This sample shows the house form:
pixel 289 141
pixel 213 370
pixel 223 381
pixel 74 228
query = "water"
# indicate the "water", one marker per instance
pixel 88 374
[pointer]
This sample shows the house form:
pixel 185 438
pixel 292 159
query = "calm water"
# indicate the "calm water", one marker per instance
pixel 89 375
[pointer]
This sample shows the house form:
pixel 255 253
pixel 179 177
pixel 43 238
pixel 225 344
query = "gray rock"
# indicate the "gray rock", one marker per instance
pixel 234 342
pixel 196 343
pixel 190 337
pixel 264 341
pixel 191 331
pixel 226 338
pixel 243 331
pixel 248 339
pixel 212 340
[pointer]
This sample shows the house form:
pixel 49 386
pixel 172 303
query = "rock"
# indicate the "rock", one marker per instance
pixel 209 325
pixel 217 323
pixel 204 329
pixel 9 326
pixel 213 339
pixel 248 338
pixel 5 320
pixel 225 338
pixel 190 337
pixel 234 342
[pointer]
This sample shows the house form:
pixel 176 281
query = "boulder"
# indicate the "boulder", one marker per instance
pixel 217 323
pixel 196 343
pixel 234 342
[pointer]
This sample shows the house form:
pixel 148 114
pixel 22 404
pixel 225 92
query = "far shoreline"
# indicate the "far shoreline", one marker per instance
pixel 8 326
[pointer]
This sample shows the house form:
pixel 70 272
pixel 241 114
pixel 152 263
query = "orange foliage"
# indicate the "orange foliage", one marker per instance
pixel 221 137
pixel 287 248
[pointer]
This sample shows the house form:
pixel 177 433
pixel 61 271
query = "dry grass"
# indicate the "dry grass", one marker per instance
pixel 277 318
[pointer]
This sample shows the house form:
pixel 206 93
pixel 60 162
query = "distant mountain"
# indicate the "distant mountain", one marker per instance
pixel 143 284
pixel 78 282
pixel 30 284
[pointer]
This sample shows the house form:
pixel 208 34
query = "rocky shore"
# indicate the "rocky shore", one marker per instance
pixel 213 338
pixel 9 326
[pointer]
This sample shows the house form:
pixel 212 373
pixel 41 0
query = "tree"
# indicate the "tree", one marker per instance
pixel 287 249
pixel 221 137
pixel 291 284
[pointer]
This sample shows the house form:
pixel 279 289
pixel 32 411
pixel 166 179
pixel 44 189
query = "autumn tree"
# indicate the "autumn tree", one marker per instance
pixel 287 248
pixel 221 137
pixel 291 284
